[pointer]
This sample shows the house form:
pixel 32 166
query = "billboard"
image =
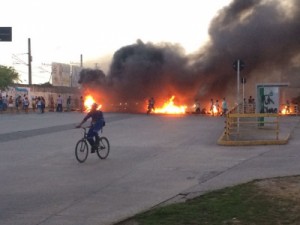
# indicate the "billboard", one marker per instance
pixel 61 74
pixel 75 75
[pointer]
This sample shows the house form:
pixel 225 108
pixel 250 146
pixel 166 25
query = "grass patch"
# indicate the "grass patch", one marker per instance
pixel 242 204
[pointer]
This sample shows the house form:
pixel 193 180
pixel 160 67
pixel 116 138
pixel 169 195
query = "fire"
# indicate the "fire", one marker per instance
pixel 88 102
pixel 284 111
pixel 170 108
pixel 215 110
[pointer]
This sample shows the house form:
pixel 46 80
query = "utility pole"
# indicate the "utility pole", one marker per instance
pixel 81 61
pixel 29 63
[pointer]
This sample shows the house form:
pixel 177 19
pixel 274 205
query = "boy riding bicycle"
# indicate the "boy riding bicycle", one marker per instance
pixel 96 125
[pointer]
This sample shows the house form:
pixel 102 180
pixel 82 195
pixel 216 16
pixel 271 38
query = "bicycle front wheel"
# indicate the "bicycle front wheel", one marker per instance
pixel 81 151
pixel 104 147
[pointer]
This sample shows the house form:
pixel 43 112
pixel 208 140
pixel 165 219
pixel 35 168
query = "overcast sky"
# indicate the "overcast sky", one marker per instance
pixel 61 30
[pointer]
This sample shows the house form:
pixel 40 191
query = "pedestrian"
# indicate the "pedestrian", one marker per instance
pixel 18 103
pixel 288 106
pixel 11 104
pixel 26 104
pixel 217 107
pixel 81 104
pixel 59 104
pixel 43 104
pixel 5 103
pixel 33 103
pixel 39 104
pixel 212 107
pixel 52 105
pixel 69 104
pixel 1 104
pixel 224 107
pixel 197 106
pixel 23 102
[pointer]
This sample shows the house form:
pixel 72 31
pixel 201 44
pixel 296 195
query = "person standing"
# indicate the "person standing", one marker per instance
pixel 69 104
pixel 1 103
pixel 5 103
pixel 52 105
pixel 212 107
pixel 33 103
pixel 217 107
pixel 26 104
pixel 18 103
pixel 43 104
pixel 81 104
pixel 59 104
pixel 11 104
pixel 39 104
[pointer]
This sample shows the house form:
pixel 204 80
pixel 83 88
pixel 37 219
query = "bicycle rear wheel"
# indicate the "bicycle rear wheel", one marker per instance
pixel 81 151
pixel 104 147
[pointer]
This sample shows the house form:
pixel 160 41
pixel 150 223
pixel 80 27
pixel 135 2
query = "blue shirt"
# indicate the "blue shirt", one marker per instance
pixel 96 116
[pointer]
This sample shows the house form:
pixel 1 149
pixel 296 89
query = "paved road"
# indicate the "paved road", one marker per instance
pixel 154 160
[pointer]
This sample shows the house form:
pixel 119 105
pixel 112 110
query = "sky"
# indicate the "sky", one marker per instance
pixel 61 30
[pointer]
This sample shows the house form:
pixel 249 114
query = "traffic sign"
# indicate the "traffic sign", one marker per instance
pixel 5 34
pixel 235 65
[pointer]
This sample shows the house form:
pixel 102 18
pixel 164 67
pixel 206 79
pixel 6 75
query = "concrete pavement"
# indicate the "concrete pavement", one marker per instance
pixel 154 160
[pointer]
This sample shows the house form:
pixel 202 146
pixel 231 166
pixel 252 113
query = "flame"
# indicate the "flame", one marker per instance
pixel 215 110
pixel 284 111
pixel 170 108
pixel 88 102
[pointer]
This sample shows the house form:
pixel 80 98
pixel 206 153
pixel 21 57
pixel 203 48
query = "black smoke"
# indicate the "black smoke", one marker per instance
pixel 262 33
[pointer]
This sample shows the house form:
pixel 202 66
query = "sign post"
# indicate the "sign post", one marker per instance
pixel 243 80
pixel 238 65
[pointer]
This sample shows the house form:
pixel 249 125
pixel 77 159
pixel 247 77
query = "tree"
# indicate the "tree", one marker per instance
pixel 8 76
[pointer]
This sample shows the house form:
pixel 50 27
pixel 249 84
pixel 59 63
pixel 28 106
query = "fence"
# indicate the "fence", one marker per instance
pixel 251 129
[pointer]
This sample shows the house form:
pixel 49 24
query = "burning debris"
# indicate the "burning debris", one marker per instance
pixel 169 107
pixel 88 103
pixel 264 33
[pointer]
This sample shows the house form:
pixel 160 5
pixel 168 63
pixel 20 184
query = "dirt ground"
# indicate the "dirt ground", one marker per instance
pixel 284 187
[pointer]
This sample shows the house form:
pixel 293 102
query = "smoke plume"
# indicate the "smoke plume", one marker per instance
pixel 262 33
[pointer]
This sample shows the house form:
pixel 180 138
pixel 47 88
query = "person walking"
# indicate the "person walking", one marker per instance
pixel 224 107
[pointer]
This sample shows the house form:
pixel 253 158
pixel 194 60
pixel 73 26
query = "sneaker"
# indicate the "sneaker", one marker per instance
pixel 94 148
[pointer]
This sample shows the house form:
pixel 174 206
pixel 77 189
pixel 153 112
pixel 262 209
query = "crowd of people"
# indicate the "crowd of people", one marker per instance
pixel 217 108
pixel 36 104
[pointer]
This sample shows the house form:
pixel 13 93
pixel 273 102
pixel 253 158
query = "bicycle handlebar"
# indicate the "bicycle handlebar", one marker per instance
pixel 84 128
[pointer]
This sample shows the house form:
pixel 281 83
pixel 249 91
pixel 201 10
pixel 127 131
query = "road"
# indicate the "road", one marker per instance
pixel 153 160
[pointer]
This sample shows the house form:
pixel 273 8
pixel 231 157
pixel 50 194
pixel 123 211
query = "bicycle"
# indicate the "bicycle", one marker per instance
pixel 82 147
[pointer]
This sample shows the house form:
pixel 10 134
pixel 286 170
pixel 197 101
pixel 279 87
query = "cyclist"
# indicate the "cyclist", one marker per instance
pixel 96 125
